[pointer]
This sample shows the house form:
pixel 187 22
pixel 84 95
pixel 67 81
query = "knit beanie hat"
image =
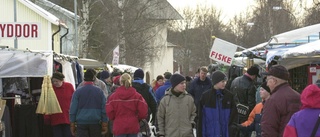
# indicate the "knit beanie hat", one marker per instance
pixel 89 75
pixel 218 76
pixel 264 86
pixel 58 75
pixel 176 79
pixel 138 74
pixel 104 75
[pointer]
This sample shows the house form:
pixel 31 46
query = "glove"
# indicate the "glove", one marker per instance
pixel 73 129
pixel 104 128
pixel 240 127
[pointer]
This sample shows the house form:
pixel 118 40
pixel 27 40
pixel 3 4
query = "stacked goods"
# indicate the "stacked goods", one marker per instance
pixel 48 103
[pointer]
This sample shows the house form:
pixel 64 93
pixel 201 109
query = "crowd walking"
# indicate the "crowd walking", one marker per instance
pixel 122 105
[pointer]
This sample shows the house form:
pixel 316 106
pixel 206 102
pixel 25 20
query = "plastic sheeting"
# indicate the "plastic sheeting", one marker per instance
pixel 25 63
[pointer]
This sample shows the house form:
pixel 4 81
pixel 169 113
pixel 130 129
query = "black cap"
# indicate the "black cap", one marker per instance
pixel 253 70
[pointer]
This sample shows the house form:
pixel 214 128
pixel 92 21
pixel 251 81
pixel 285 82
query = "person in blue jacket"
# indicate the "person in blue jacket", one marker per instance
pixel 217 110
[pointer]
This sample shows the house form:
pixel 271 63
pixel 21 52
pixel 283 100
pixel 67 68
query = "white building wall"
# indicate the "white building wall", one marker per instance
pixel 164 62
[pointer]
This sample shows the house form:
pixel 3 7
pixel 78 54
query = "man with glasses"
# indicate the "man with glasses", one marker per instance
pixel 282 104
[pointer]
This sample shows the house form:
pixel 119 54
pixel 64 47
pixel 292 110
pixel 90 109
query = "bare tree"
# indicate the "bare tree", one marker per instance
pixel 312 15
pixel 194 34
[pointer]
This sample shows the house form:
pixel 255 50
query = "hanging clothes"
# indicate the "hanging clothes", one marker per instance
pixel 25 121
pixel 67 72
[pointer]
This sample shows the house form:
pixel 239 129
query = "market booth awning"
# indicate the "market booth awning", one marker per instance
pixel 301 55
pixel 16 63
pixel 90 63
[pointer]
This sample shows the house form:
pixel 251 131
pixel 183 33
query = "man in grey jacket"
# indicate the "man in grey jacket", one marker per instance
pixel 176 110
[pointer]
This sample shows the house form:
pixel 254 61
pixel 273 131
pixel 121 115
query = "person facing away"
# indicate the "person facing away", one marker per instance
pixel 253 122
pixel 126 107
pixel 146 91
pixel 199 85
pixel 233 76
pixel 303 122
pixel 244 90
pixel 176 111
pixel 97 82
pixel 157 83
pixel 88 116
pixel 217 111
pixel 105 77
pixel 161 90
pixel 60 122
pixel 282 104
pixel 188 81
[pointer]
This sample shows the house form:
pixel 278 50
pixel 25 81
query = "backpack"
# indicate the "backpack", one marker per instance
pixel 144 129
pixel 143 90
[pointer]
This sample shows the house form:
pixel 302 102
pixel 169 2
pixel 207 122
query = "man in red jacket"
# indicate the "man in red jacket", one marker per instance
pixel 282 104
pixel 60 122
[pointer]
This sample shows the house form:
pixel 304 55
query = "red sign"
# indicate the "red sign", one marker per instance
pixel 20 30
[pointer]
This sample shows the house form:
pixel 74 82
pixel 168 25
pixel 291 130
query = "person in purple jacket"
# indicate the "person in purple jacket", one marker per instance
pixel 302 122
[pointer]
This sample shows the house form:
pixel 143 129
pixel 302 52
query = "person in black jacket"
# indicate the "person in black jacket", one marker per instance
pixel 146 91
pixel 217 110
pixel 244 90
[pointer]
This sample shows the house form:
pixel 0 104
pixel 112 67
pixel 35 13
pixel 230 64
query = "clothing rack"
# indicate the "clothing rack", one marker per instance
pixel 5 98
pixel 64 57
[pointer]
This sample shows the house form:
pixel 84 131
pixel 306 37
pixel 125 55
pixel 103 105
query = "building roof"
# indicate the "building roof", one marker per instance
pixel 162 9
pixel 49 6
pixel 45 14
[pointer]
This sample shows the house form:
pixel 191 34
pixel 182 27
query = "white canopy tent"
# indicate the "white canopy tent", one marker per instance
pixel 291 36
pixel 90 63
pixel 288 37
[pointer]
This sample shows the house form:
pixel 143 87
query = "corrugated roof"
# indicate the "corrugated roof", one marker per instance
pixel 45 14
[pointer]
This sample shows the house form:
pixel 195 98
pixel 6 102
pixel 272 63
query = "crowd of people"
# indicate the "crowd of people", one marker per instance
pixel 208 105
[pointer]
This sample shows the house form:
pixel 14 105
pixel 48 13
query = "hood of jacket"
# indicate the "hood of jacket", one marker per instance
pixel 310 97
pixel 124 93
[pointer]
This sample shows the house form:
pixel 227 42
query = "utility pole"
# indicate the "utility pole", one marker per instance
pixel 15 21
pixel 270 18
pixel 76 49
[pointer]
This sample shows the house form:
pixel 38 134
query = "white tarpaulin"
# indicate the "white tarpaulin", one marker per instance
pixel 301 55
pixel 306 50
pixel 25 63
pixel 241 61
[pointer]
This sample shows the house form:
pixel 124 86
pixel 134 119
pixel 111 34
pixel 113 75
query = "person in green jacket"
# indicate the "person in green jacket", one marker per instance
pixel 176 111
